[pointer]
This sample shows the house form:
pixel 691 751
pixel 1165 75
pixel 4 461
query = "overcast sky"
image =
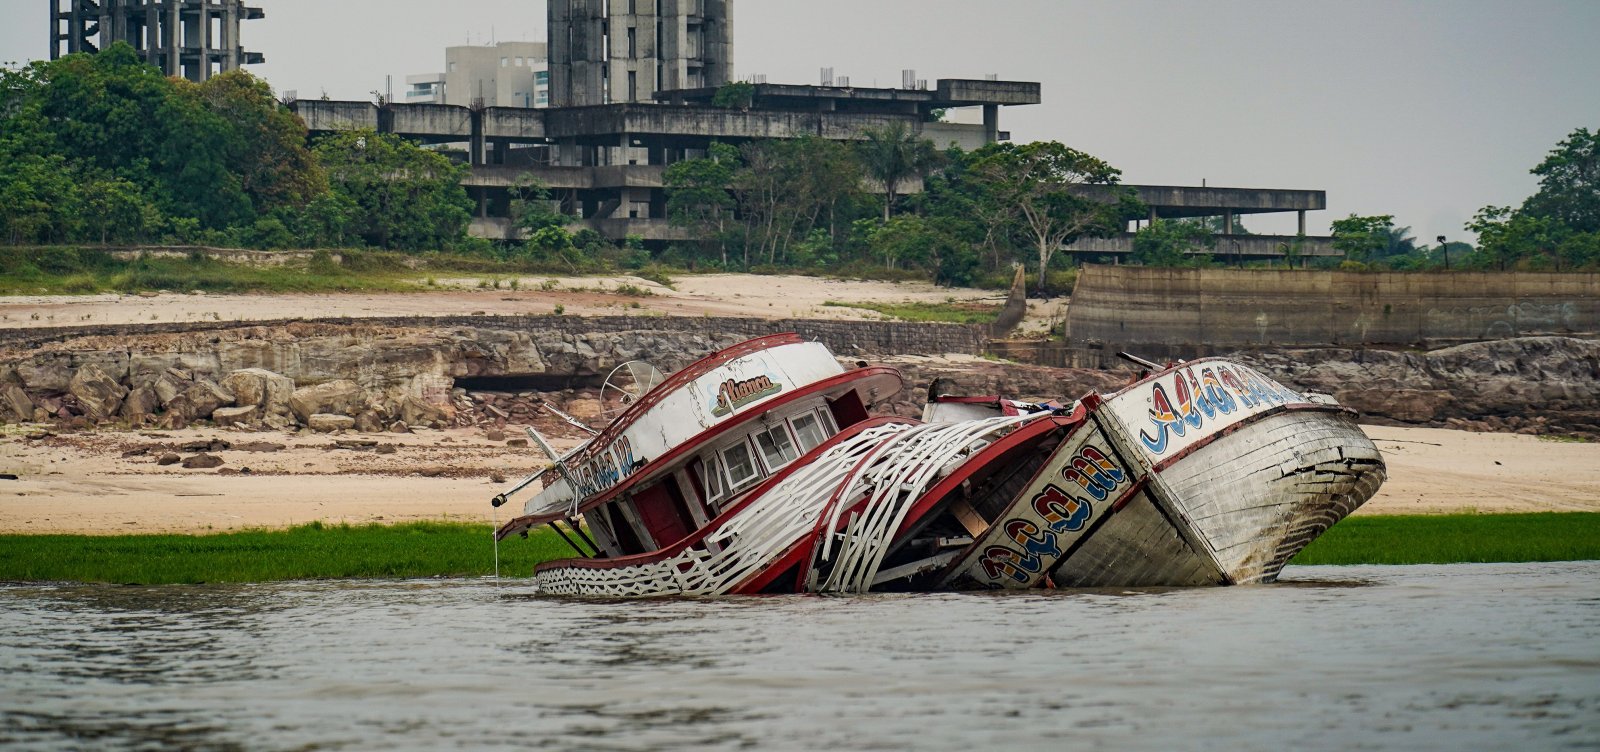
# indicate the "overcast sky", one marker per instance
pixel 1423 110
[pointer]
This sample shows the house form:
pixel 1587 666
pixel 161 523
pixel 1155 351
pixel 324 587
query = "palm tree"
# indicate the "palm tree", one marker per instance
pixel 1397 241
pixel 892 154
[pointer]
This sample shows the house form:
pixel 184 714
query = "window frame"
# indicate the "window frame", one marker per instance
pixel 817 421
pixel 767 430
pixel 735 486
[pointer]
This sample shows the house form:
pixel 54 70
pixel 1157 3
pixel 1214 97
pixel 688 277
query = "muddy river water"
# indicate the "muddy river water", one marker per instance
pixel 1493 657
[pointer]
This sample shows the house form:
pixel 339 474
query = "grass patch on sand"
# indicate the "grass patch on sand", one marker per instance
pixel 950 312
pixel 1458 538
pixel 308 552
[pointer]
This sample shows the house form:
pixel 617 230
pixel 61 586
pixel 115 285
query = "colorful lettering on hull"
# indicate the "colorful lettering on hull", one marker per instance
pixel 1195 400
pixel 605 469
pixel 1032 543
pixel 732 395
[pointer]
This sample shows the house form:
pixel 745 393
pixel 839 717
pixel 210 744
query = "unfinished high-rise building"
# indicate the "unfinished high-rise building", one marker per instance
pixel 605 51
pixel 195 39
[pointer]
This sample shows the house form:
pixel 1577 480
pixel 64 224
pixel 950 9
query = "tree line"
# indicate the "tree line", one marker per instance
pixel 1555 229
pixel 104 148
pixel 813 202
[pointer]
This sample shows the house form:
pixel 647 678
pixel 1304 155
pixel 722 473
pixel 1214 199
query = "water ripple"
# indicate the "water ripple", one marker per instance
pixel 1457 657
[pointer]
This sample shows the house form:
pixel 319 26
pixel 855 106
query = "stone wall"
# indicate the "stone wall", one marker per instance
pixel 407 368
pixel 845 338
pixel 1171 313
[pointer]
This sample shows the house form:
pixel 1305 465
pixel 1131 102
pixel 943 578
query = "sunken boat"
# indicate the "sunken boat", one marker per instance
pixel 761 468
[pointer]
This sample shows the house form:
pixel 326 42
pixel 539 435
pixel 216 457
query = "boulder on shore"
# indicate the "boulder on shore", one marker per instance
pixel 98 394
pixel 171 383
pixel 141 401
pixel 341 397
pixel 236 416
pixel 202 461
pixel 260 388
pixel 15 404
pixel 328 422
pixel 206 396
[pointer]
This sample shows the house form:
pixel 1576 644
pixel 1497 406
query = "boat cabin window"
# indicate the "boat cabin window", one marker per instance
pixel 710 475
pixel 808 429
pixel 776 447
pixel 741 465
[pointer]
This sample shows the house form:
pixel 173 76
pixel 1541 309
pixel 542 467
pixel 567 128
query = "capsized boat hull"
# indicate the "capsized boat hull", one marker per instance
pixel 1205 473
pixel 1208 474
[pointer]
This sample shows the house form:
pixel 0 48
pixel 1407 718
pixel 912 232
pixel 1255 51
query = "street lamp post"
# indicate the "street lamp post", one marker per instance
pixel 1444 252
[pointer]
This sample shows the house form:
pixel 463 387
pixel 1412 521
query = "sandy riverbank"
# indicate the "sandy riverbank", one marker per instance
pixel 690 295
pixel 82 483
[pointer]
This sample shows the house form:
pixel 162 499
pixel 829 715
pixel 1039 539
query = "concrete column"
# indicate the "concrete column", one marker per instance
pixel 991 123
pixel 152 34
pixel 1152 215
pixel 230 41
pixel 205 41
pixel 1302 214
pixel 476 142
pixel 1227 221
pixel 174 38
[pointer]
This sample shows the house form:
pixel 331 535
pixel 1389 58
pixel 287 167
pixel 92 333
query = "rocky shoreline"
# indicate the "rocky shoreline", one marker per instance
pixel 372 378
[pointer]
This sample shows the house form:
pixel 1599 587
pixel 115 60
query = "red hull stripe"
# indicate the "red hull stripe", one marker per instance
pixel 733 509
pixel 661 464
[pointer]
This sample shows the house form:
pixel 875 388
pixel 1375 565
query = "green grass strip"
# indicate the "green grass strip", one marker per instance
pixel 428 549
pixel 1458 538
pixel 314 551
pixel 946 313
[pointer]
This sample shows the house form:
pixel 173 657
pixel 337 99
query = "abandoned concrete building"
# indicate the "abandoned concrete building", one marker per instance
pixel 193 39
pixel 505 74
pixel 629 86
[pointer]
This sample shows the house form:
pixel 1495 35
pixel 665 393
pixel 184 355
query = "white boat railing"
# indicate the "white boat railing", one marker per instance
pixel 775 522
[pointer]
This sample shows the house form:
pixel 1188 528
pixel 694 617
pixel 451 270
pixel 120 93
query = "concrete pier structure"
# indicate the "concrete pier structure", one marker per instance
pixel 194 39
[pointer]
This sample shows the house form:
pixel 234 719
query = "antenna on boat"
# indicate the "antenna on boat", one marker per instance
pixel 574 422
pixel 1136 360
pixel 625 385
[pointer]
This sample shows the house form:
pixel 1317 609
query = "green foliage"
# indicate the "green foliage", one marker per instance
pixel 698 198
pixel 1030 188
pixel 1362 239
pixel 399 195
pixel 947 313
pixel 531 207
pixel 1173 243
pixel 1457 538
pixel 786 188
pixel 103 148
pixel 1556 228
pixel 734 95
pixel 314 551
pixel 893 154
pixel 1569 183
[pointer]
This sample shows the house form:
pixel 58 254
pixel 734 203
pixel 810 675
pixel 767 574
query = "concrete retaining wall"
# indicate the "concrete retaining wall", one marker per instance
pixel 1166 313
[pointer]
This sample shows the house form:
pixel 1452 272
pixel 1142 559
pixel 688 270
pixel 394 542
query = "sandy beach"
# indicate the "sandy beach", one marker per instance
pixel 83 483
pixel 777 296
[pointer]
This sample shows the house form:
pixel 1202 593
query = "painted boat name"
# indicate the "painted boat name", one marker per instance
pixel 1217 390
pixel 732 395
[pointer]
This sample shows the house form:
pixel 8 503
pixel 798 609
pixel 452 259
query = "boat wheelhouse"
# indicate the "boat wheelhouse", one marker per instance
pixel 760 469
